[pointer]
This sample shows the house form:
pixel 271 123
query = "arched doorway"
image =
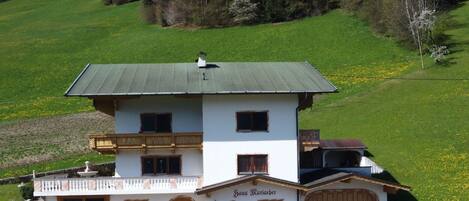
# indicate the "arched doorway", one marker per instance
pixel 342 195
pixel 182 198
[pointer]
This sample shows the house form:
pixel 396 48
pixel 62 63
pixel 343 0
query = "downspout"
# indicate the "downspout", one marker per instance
pixel 298 142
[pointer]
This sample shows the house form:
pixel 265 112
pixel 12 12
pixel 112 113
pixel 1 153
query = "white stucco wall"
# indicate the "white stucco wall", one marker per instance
pixel 50 198
pixel 356 184
pixel 186 112
pixel 222 143
pixel 128 163
pixel 226 194
pixel 276 192
pixel 150 197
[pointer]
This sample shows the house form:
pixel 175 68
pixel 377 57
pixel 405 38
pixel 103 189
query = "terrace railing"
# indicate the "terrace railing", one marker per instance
pixel 115 185
pixel 111 143
pixel 309 139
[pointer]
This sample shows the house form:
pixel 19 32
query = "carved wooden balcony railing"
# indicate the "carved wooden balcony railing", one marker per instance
pixel 112 143
pixel 309 139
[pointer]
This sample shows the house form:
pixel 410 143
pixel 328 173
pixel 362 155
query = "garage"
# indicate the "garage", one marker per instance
pixel 342 195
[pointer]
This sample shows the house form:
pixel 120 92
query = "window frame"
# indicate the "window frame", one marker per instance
pixel 251 164
pixel 154 159
pixel 156 122
pixel 84 197
pixel 251 112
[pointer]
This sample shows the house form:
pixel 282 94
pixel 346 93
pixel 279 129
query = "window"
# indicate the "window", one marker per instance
pixel 251 121
pixel 160 123
pixel 154 165
pixel 252 164
pixel 84 198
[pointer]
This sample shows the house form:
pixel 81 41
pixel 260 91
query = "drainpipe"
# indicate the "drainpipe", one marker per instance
pixel 298 143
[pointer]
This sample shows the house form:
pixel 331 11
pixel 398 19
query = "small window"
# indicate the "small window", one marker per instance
pixel 148 166
pixel 251 121
pixel 160 123
pixel 252 164
pixel 154 165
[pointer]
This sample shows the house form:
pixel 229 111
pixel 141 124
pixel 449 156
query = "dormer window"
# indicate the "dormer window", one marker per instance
pixel 159 123
pixel 252 121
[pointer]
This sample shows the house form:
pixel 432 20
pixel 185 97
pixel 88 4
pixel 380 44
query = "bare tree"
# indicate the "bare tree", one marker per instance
pixel 243 11
pixel 421 16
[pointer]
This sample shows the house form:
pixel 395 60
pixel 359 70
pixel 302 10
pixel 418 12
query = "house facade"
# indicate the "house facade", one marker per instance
pixel 215 132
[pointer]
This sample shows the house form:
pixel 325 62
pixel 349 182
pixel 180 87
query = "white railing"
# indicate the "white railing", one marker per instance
pixel 375 168
pixel 116 185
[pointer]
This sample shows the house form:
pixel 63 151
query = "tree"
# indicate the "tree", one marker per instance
pixel 421 20
pixel 243 11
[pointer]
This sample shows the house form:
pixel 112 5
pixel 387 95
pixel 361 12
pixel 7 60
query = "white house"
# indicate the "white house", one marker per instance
pixel 214 132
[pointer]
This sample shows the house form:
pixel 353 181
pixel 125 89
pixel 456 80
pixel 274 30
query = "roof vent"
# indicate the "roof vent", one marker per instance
pixel 201 61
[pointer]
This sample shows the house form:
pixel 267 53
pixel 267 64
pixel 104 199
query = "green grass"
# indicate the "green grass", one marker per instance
pixel 417 130
pixel 10 192
pixel 67 162
pixel 46 43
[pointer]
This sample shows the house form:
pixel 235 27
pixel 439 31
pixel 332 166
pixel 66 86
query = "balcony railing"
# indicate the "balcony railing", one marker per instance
pixel 309 139
pixel 115 185
pixel 111 143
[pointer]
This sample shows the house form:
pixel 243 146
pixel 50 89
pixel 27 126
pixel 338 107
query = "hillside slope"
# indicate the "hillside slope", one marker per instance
pixel 416 128
pixel 46 43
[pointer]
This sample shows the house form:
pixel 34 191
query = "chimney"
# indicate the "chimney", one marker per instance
pixel 201 62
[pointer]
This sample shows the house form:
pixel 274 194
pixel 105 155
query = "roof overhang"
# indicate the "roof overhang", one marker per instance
pixel 185 79
pixel 388 187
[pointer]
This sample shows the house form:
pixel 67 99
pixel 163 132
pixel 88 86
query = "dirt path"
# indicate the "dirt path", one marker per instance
pixel 28 141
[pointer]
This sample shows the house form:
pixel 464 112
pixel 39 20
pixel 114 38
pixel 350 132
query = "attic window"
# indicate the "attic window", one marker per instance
pixel 251 121
pixel 159 123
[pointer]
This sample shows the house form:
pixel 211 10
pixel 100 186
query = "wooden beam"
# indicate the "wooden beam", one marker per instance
pixel 254 182
pixel 347 180
pixel 390 189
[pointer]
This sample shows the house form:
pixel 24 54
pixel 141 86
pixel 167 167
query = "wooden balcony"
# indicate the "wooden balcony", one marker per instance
pixel 112 143
pixel 309 139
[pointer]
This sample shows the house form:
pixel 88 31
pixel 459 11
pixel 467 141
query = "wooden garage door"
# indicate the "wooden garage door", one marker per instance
pixel 342 195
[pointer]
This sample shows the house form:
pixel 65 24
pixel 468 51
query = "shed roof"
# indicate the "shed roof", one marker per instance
pixel 324 177
pixel 341 144
pixel 187 78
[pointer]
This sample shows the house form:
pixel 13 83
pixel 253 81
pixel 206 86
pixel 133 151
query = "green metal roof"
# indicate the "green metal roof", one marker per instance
pixel 187 78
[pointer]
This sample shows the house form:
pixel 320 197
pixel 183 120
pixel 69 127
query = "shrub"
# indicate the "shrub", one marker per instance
pixel 216 13
pixel 243 11
pixel 389 17
pixel 148 11
pixel 27 191
pixel 107 2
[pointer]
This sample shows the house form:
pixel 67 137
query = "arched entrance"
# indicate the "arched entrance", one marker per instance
pixel 342 195
pixel 182 198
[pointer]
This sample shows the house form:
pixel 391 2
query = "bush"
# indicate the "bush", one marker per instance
pixel 27 191
pixel 148 11
pixel 243 11
pixel 216 13
pixel 388 17
pixel 107 2
pixel 116 2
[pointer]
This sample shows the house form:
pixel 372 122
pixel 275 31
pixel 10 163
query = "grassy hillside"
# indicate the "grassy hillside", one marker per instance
pixel 46 43
pixel 416 128
pixel 10 193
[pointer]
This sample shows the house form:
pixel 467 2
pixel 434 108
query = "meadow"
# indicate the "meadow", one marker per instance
pixel 415 126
